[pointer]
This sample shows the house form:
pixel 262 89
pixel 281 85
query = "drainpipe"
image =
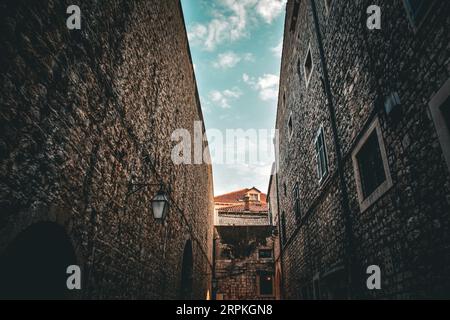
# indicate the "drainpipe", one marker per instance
pixel 348 248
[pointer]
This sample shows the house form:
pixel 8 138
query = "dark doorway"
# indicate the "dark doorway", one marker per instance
pixel 265 284
pixel 187 272
pixel 34 265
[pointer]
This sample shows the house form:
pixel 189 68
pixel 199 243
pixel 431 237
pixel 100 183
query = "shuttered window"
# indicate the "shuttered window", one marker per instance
pixel 321 155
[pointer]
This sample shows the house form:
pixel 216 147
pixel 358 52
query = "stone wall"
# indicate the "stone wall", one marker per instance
pixel 238 275
pixel 406 231
pixel 86 115
pixel 272 196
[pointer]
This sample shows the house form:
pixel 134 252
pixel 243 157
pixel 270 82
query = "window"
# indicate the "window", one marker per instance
pixel 370 165
pixel 283 227
pixel 284 189
pixel 440 112
pixel 265 284
pixel 226 254
pixel 290 126
pixel 296 197
pixel 328 5
pixel 417 11
pixel 308 66
pixel 294 15
pixel 321 155
pixel 265 254
pixel 371 168
pixel 253 196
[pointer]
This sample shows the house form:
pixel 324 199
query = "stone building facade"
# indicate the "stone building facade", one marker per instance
pixel 272 200
pixel 86 121
pixel 363 118
pixel 243 247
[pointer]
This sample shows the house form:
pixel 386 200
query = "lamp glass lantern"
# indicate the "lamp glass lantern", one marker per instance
pixel 160 205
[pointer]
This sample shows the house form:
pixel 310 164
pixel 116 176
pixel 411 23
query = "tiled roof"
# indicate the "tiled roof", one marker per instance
pixel 254 207
pixel 237 196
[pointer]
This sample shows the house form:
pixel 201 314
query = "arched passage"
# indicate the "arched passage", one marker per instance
pixel 34 265
pixel 187 272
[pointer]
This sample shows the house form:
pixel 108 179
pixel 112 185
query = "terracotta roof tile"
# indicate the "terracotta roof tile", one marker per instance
pixel 237 196
pixel 254 207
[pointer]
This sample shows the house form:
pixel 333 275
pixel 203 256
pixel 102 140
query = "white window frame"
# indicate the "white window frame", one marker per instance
pixel 365 203
pixel 308 77
pixel 442 130
pixel 322 177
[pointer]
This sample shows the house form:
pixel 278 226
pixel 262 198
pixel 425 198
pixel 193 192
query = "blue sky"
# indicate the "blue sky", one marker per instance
pixel 236 51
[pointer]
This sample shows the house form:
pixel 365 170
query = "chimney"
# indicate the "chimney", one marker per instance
pixel 246 202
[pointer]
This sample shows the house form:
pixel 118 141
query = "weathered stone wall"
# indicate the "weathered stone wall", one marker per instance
pixel 87 113
pixel 406 231
pixel 237 277
pixel 272 196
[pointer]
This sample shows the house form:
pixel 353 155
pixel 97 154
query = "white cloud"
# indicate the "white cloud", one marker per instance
pixel 234 93
pixel 269 94
pixel 267 85
pixel 222 28
pixel 225 177
pixel 217 97
pixel 222 98
pixel 267 81
pixel 227 60
pixel 231 19
pixel 249 57
pixel 270 9
pixel 278 49
pixel 198 31
pixel 230 59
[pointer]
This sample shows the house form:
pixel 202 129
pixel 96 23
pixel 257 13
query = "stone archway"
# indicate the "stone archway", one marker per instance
pixel 34 265
pixel 187 271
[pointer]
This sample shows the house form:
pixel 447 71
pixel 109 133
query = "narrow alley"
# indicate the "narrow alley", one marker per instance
pixel 225 150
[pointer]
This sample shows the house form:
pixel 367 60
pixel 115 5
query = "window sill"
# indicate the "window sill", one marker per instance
pixel 375 196
pixel 265 260
pixel 324 179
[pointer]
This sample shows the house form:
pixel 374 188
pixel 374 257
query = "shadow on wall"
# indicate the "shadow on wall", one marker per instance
pixel 187 272
pixel 35 263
